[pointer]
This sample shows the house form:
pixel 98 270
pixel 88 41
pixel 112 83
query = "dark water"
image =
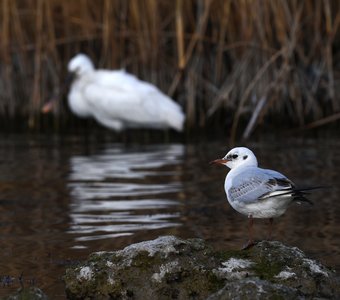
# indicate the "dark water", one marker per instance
pixel 63 198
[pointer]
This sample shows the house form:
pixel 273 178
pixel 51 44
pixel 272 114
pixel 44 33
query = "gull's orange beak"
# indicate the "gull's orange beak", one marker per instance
pixel 219 161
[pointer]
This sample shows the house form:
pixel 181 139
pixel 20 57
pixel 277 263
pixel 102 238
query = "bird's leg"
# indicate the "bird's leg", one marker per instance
pixel 250 243
pixel 270 232
pixel 250 228
pixel 166 136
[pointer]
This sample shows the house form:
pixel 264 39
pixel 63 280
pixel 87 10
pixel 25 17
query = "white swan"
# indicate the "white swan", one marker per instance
pixel 119 100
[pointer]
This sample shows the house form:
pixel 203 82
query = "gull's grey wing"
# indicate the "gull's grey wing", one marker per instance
pixel 254 184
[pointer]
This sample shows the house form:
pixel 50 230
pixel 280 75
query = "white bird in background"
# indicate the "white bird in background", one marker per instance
pixel 118 100
pixel 256 192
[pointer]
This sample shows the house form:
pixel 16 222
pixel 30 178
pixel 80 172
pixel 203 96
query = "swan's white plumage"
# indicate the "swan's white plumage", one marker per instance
pixel 119 100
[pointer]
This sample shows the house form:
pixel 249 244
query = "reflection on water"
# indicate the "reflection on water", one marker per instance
pixel 64 198
pixel 118 191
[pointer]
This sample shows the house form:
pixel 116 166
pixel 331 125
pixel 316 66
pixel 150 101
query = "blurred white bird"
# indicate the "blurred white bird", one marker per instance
pixel 256 192
pixel 118 100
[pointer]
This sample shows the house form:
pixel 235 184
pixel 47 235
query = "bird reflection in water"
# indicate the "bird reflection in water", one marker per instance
pixel 121 191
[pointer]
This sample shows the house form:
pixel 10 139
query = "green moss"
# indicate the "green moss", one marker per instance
pixel 175 277
pixel 99 258
pixel 144 261
pixel 191 284
pixel 201 283
pixel 30 293
pixel 215 282
pixel 225 255
pixel 275 296
pixel 265 269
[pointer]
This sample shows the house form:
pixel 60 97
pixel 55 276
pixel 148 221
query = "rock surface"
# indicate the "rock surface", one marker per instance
pixel 30 293
pixel 172 268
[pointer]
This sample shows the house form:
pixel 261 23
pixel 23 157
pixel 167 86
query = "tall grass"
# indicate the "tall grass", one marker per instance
pixel 233 64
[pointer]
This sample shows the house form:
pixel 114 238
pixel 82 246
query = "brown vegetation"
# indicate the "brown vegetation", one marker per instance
pixel 223 60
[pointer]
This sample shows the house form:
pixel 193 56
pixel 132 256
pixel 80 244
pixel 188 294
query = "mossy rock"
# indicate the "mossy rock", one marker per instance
pixel 29 293
pixel 173 268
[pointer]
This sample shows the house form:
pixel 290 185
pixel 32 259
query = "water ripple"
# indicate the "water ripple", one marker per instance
pixel 117 192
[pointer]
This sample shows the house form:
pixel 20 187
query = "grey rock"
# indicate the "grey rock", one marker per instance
pixel 30 293
pixel 255 289
pixel 173 268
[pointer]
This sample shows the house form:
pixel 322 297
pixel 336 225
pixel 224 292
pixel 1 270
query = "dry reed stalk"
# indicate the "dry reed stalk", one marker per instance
pixel 180 34
pixel 222 39
pixel 52 70
pixel 329 57
pixel 5 40
pixel 249 89
pixel 36 99
pixel 138 20
pixel 200 27
pixel 213 56
pixel 106 31
pixel 21 84
pixel 321 122
pixel 153 28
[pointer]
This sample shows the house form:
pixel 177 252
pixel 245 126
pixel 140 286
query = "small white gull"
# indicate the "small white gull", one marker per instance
pixel 256 192
pixel 117 99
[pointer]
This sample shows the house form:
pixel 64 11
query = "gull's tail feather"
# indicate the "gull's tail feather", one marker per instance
pixel 299 194
pixel 303 190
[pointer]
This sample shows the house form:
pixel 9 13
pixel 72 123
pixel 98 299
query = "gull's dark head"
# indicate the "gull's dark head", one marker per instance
pixel 237 157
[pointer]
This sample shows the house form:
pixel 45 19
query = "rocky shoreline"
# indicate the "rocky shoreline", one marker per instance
pixel 173 268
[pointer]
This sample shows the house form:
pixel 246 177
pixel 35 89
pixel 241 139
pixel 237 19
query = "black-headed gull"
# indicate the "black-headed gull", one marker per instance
pixel 256 192
pixel 119 100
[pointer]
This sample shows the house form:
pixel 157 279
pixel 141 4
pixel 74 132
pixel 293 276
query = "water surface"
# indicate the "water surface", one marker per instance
pixel 62 198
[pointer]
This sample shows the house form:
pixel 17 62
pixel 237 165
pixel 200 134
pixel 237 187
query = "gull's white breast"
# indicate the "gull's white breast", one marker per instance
pixel 270 207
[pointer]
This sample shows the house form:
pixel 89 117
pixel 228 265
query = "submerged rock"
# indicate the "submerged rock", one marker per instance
pixel 29 293
pixel 173 268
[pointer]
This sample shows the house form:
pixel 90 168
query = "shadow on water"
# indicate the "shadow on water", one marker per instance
pixel 62 199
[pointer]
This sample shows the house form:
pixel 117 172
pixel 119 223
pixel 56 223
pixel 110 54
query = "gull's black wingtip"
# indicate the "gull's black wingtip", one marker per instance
pixel 311 188
pixel 299 193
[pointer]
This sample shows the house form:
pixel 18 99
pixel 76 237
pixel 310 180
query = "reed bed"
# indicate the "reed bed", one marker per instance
pixel 230 64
